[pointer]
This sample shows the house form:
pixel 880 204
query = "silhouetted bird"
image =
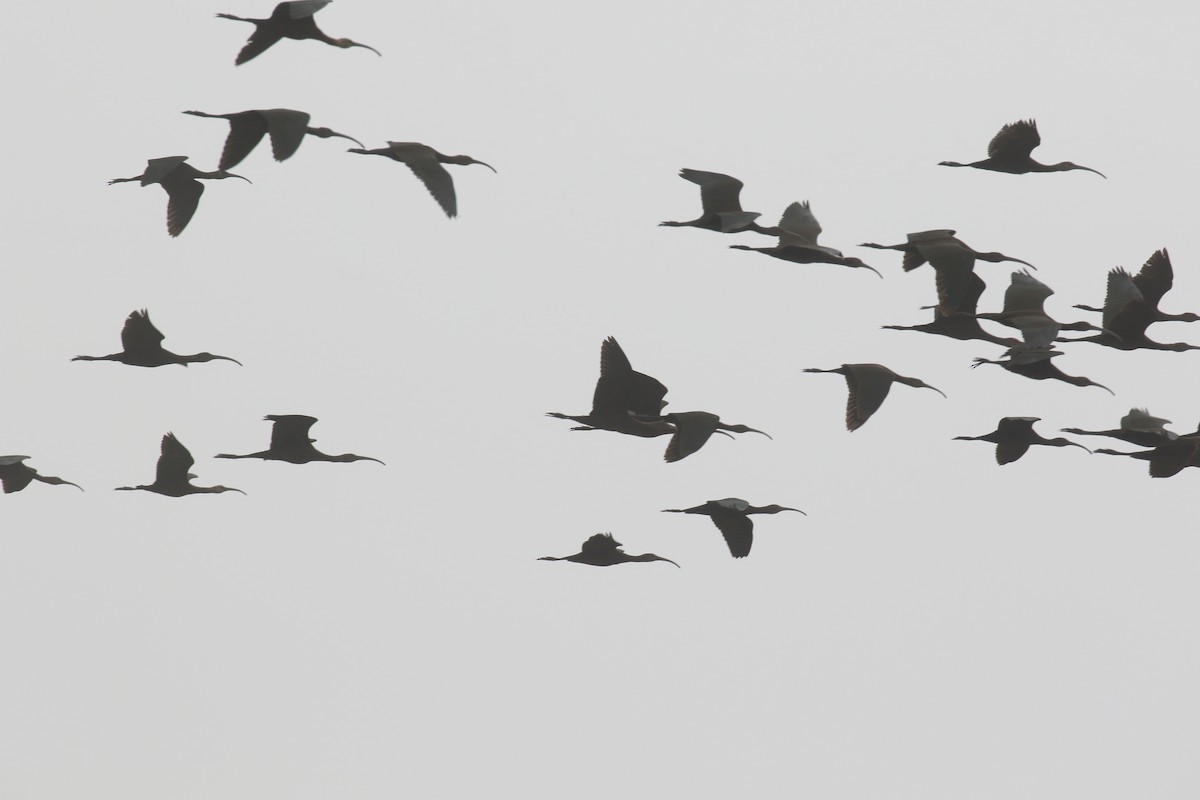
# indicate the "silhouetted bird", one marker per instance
pixel 962 290
pixel 625 401
pixel 693 429
pixel 15 475
pixel 940 247
pixel 1034 363
pixel 1024 310
pixel 1155 279
pixel 290 442
pixel 1127 315
pixel 1013 437
pixel 602 550
pixel 426 164
pixel 142 343
pixel 869 385
pixel 720 198
pixel 1009 152
pixel 172 477
pixel 180 180
pixel 731 516
pixel 286 127
pixel 290 20
pixel 1137 427
pixel 798 231
pixel 1167 459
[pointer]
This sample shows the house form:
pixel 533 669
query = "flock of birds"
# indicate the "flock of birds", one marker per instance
pixel 630 402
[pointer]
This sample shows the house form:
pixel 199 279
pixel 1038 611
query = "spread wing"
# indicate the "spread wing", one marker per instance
pixel 1015 139
pixel 139 334
pixel 290 431
pixel 718 193
pixel 174 462
pixel 738 530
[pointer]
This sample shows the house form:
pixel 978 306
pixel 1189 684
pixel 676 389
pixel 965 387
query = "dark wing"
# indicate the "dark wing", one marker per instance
pixel 139 334
pixel 246 130
pixel 184 200
pixel 600 544
pixel 174 462
pixel 613 387
pixel 436 179
pixel 290 431
pixel 260 41
pixel 299 9
pixel 1009 451
pixel 738 530
pixel 14 475
pixel 718 193
pixel 868 389
pixel 1016 139
pixel 1169 459
pixel 958 289
pixel 692 430
pixel 1155 277
pixel 287 129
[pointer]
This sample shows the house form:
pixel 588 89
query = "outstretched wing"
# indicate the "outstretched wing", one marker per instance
pixel 174 461
pixel 139 334
pixel 738 530
pixel 1017 139
pixel 718 193
pixel 290 431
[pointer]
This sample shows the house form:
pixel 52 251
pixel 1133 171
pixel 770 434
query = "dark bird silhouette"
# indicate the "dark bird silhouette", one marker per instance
pixel 625 401
pixel 1013 437
pixel 1035 363
pixel 798 231
pixel 1127 315
pixel 1166 459
pixel 1024 310
pixel 732 518
pixel 693 429
pixel 142 347
pixel 1009 152
pixel 426 164
pixel 286 127
pixel 720 199
pixel 1155 279
pixel 291 20
pixel 1137 427
pixel 180 180
pixel 941 248
pixel 869 385
pixel 172 477
pixel 15 475
pixel 290 442
pixel 962 292
pixel 602 550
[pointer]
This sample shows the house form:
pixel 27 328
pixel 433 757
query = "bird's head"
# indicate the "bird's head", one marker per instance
pixel 325 133
pixel 351 43
pixel 851 261
pixel 465 160
pixel 220 489
pixel 203 357
pixel 224 173
pixel 347 457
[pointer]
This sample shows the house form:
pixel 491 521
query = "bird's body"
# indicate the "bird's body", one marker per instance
pixel 182 184
pixel 720 197
pixel 798 231
pixel 732 518
pixel 602 550
pixel 624 401
pixel 869 385
pixel 289 20
pixel 1024 310
pixel 15 475
pixel 1127 315
pixel 1167 459
pixel 1155 279
pixel 1009 151
pixel 285 126
pixel 1035 363
pixel 1137 427
pixel 426 164
pixel 172 477
pixel 141 344
pixel 961 296
pixel 290 442
pixel 1013 438
pixel 941 248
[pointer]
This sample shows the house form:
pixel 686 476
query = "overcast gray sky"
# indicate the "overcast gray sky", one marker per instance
pixel 936 627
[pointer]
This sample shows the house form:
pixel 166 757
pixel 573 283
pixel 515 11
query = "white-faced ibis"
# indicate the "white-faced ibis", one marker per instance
pixel 1035 363
pixel 172 477
pixel 142 347
pixel 720 199
pixel 1013 437
pixel 1166 459
pixel 1137 427
pixel 602 550
pixel 426 164
pixel 869 385
pixel 798 231
pixel 15 475
pixel 625 401
pixel 693 429
pixel 290 442
pixel 1127 315
pixel 940 248
pixel 286 127
pixel 1155 279
pixel 1024 310
pixel 180 180
pixel 1009 152
pixel 290 20
pixel 732 518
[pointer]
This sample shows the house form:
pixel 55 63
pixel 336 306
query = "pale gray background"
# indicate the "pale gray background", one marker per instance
pixel 937 627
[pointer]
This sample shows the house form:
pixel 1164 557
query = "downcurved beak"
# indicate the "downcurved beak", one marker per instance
pixel 489 166
pixel 351 138
pixel 1098 172
pixel 231 489
pixel 785 508
pixel 76 485
pixel 227 358
pixel 669 561
pixel 939 391
pixel 368 458
pixel 243 177
pixel 372 49
pixel 1077 444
